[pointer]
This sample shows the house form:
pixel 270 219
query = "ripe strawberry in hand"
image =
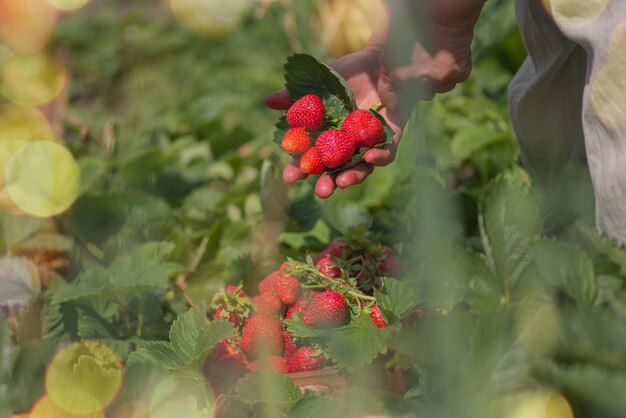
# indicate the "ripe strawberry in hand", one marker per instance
pixel 311 163
pixel 307 112
pixel 327 309
pixel 365 129
pixel 335 148
pixel 296 141
pixel 304 359
pixel 377 317
pixel 288 289
pixel 262 335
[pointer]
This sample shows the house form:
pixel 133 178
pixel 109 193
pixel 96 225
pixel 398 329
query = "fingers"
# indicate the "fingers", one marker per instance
pixel 292 172
pixel 325 186
pixel 354 175
pixel 279 100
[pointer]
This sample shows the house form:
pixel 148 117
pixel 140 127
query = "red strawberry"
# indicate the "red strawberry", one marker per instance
pixel 327 309
pixel 377 317
pixel 288 289
pixel 233 289
pixel 311 163
pixel 262 335
pixel 365 129
pixel 282 268
pixel 389 265
pixel 227 370
pixel 296 141
pixel 327 267
pixel 303 360
pixel 336 248
pixel 272 362
pixel 307 112
pixel 297 307
pixel 222 348
pixel 290 345
pixel 267 284
pixel 267 304
pixel 220 313
pixel 335 148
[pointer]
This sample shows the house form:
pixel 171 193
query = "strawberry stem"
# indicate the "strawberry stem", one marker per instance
pixel 377 106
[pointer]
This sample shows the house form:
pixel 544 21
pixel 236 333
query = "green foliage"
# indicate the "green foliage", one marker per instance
pixel 191 339
pixel 305 75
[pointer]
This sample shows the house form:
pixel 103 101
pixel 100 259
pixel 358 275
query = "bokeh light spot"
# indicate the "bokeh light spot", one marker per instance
pixel 84 377
pixel 23 123
pixel 210 17
pixel 26 25
pixel 543 405
pixel 607 98
pixel 47 408
pixel 68 4
pixel 132 409
pixel 42 178
pixel 8 148
pixel 31 80
pixel 180 396
pixel 575 12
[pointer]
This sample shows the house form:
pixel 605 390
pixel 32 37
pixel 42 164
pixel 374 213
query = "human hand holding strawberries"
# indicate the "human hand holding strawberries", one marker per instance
pixel 360 71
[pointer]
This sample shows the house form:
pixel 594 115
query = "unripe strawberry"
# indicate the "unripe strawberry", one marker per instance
pixel 272 362
pixel 296 141
pixel 262 335
pixel 307 112
pixel 335 148
pixel 268 304
pixel 288 289
pixel 327 309
pixel 304 360
pixel 377 317
pixel 311 163
pixel 365 129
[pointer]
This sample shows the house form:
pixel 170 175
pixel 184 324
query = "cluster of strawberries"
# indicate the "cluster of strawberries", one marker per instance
pixel 333 148
pixel 261 341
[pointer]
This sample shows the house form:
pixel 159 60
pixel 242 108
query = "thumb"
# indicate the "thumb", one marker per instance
pixel 279 100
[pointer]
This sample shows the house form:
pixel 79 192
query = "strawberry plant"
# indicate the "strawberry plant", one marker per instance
pixel 188 280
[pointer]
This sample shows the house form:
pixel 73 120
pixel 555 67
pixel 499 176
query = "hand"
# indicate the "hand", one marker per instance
pixel 361 71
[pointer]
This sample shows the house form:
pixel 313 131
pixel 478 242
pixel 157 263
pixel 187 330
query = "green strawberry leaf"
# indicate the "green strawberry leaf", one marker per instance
pixel 268 387
pixel 389 133
pixel 300 330
pixel 396 299
pixel 191 340
pixel 357 344
pixel 281 129
pixel 567 267
pixel 509 219
pixel 306 75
